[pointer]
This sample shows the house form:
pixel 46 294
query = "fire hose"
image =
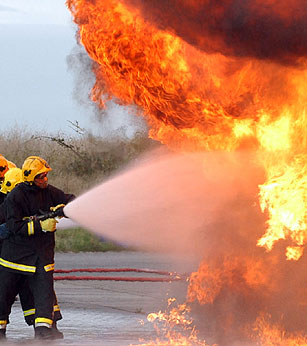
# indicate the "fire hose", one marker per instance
pixel 169 276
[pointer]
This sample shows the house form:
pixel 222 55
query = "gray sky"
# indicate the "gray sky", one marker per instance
pixel 36 85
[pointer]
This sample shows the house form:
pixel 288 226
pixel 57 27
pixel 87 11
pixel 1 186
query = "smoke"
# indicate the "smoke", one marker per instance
pixel 113 121
pixel 264 29
pixel 172 202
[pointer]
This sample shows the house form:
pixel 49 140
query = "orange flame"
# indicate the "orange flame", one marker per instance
pixel 177 316
pixel 274 335
pixel 195 100
pixel 238 273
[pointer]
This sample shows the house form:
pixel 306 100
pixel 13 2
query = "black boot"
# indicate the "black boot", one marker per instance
pixel 2 334
pixel 56 333
pixel 43 333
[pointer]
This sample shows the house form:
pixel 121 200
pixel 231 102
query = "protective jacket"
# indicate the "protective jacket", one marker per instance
pixel 2 197
pixel 28 244
pixel 2 217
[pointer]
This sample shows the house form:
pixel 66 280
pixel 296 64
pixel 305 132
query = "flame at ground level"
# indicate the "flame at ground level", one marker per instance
pixel 231 292
pixel 200 204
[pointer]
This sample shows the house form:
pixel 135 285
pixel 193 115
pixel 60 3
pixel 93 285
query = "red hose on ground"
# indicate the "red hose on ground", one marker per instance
pixel 107 270
pixel 117 278
pixel 172 276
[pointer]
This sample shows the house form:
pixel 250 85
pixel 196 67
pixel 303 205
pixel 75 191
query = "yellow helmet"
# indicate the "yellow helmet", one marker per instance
pixel 32 166
pixel 11 178
pixel 4 166
pixel 11 164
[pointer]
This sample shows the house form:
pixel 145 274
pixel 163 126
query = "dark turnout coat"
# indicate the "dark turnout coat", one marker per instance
pixel 2 216
pixel 28 244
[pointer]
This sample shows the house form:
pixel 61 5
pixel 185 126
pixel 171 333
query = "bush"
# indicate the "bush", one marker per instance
pixel 78 163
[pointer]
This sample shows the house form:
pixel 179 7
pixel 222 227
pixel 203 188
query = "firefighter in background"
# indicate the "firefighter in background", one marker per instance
pixel 5 165
pixel 28 253
pixel 12 178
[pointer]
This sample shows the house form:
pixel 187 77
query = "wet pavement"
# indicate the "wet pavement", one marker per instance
pixel 108 312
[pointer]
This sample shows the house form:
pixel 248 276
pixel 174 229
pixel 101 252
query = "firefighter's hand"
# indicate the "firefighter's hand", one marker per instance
pixel 59 206
pixel 49 225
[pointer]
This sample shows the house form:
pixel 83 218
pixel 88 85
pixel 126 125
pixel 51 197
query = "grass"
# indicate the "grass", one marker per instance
pixel 80 240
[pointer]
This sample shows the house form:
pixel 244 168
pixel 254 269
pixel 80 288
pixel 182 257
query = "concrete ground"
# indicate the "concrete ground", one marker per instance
pixel 108 312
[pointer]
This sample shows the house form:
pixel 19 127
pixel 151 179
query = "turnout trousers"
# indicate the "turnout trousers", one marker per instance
pixel 40 284
pixel 28 307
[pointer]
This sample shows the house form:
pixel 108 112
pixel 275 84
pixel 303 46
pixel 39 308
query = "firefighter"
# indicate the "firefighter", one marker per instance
pixel 28 253
pixel 12 178
pixel 5 165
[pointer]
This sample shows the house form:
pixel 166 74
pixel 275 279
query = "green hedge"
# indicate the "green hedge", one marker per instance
pixel 80 240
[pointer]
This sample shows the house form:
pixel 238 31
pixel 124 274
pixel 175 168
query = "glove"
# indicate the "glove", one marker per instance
pixel 49 225
pixel 60 210
pixel 57 207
